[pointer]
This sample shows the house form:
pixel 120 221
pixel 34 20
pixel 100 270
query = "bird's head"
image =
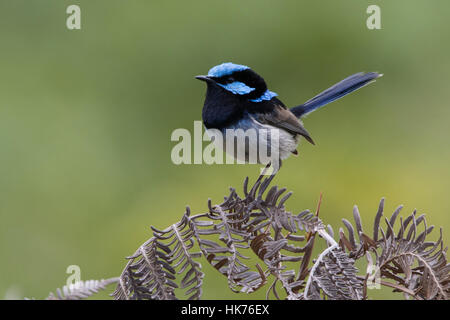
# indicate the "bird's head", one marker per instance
pixel 239 81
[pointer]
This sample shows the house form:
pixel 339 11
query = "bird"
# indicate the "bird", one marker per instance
pixel 238 98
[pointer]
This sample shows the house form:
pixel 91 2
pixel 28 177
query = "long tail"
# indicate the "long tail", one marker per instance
pixel 340 89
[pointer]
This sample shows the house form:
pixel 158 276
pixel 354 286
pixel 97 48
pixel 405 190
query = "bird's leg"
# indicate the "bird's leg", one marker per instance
pixel 263 173
pixel 272 175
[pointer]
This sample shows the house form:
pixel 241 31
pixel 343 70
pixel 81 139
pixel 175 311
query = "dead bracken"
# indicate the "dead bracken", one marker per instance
pixel 256 243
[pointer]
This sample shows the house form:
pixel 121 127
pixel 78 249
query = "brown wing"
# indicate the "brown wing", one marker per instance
pixel 285 119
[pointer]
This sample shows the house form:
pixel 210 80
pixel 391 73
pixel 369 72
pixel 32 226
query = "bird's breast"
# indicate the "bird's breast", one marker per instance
pixel 250 141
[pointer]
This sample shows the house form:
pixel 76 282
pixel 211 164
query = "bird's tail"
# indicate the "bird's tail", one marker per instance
pixel 340 89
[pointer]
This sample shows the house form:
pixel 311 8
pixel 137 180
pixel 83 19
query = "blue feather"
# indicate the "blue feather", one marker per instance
pixel 237 87
pixel 268 95
pixel 226 69
pixel 336 92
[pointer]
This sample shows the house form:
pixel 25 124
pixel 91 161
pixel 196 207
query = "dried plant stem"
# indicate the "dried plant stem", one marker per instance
pixel 327 237
pixel 316 264
pixel 333 245
pixel 396 286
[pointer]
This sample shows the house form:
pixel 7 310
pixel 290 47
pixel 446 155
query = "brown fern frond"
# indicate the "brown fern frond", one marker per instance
pixel 153 271
pixel 259 224
pixel 404 257
pixel 81 289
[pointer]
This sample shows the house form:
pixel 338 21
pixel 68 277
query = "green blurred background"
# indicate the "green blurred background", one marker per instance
pixel 86 118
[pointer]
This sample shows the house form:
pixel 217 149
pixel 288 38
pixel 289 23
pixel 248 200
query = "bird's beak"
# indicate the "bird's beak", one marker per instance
pixel 204 78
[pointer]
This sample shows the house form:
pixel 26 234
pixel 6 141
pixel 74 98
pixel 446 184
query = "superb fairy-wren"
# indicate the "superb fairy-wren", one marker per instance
pixel 238 98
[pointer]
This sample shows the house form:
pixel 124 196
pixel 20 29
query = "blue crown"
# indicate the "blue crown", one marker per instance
pixel 225 69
